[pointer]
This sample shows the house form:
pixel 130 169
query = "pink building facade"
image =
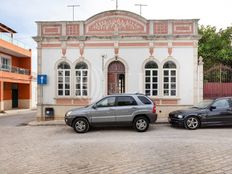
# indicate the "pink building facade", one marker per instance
pixel 115 52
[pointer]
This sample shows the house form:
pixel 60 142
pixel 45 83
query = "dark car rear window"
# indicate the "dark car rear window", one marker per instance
pixel 144 100
pixel 230 102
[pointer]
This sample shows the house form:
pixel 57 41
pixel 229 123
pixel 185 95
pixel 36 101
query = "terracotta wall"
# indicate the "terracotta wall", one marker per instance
pixel 22 62
pixel 24 91
pixel 7 91
pixel 15 61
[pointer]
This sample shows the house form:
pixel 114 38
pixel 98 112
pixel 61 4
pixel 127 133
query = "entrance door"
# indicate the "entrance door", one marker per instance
pixel 116 77
pixel 14 98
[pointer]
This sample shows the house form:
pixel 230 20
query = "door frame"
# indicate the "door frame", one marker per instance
pixel 106 73
pixel 12 97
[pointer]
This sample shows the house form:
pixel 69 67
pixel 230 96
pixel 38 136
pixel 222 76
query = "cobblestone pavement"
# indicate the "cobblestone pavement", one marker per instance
pixel 17 119
pixel 162 149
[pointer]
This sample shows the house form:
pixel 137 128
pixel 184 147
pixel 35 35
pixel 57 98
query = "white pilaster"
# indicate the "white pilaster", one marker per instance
pixel 63 29
pixel 200 79
pixel 151 29
pixel 81 28
pixel 169 27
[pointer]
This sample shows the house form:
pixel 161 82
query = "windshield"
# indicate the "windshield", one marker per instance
pixel 203 104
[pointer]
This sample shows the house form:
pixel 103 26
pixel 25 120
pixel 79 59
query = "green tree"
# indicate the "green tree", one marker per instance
pixel 215 46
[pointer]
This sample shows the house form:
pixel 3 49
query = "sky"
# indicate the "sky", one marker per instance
pixel 21 15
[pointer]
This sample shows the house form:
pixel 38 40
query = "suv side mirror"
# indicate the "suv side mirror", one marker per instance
pixel 212 108
pixel 94 106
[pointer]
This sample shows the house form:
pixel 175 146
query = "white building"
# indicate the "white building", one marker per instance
pixel 118 51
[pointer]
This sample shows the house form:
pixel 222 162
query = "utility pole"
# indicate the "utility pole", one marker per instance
pixel 140 7
pixel 73 6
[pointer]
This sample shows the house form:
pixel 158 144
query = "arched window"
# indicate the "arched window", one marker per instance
pixel 81 73
pixel 63 79
pixel 169 70
pixel 151 79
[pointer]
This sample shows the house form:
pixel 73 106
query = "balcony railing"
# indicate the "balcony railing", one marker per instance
pixel 13 41
pixel 14 69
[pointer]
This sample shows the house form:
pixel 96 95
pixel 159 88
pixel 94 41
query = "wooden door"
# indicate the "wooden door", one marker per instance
pixel 116 78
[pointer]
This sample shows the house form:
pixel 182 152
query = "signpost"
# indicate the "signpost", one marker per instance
pixel 41 80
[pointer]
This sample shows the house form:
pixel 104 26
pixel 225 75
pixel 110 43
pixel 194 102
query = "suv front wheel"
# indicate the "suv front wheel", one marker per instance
pixel 141 124
pixel 81 125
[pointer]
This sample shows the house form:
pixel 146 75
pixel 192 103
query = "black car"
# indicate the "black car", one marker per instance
pixel 216 112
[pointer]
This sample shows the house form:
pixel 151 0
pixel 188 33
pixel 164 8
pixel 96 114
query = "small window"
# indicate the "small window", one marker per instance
pixel 169 65
pixel 221 104
pixel 107 102
pixel 151 65
pixel 63 65
pixel 81 80
pixel 169 79
pixel 5 63
pixel 125 101
pixel 144 100
pixel 63 79
pixel 151 78
pixel 81 65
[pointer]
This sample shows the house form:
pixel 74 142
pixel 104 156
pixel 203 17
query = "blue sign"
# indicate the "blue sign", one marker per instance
pixel 42 79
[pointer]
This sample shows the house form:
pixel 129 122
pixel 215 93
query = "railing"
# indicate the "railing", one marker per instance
pixel 218 82
pixel 14 69
pixel 13 41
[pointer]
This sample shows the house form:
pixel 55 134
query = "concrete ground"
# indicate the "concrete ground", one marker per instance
pixel 162 149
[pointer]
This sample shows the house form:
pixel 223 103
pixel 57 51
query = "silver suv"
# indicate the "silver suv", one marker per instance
pixel 135 110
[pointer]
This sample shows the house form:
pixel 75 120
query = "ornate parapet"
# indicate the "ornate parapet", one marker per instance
pixel 120 23
pixel 116 23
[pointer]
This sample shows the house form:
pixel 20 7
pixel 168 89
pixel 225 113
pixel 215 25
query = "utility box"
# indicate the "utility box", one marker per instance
pixel 49 113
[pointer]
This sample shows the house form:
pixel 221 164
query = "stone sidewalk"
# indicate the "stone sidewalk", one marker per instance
pixel 16 111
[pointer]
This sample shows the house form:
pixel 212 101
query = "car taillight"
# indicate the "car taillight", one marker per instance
pixel 154 108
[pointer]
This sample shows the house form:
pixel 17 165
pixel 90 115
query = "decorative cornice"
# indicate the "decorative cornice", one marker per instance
pixel 118 38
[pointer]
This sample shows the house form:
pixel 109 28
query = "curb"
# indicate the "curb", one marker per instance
pixel 47 123
pixel 62 123
pixel 162 122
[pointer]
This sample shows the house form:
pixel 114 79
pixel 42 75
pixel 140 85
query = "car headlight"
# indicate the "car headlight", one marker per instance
pixel 180 116
pixel 68 113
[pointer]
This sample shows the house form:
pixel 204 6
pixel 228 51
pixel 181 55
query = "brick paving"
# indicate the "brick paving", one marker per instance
pixel 58 149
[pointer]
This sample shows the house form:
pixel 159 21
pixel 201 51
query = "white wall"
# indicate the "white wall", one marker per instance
pixel 134 57
pixel 185 58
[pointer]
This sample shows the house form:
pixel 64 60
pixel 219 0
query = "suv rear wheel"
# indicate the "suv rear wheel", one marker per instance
pixel 141 124
pixel 81 125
